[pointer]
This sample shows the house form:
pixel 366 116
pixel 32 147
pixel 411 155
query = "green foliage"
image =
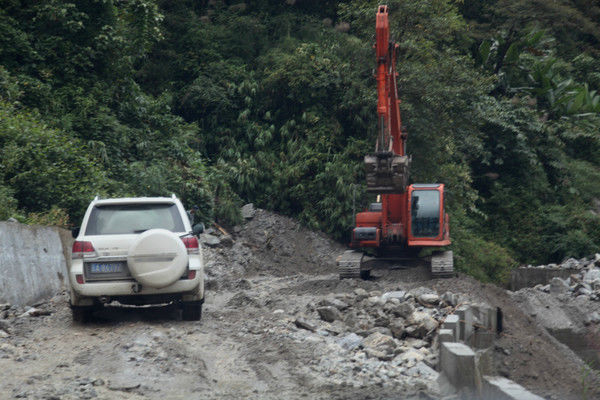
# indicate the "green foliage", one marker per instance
pixel 274 102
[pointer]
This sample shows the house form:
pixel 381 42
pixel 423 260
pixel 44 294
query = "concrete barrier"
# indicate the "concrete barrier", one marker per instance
pixel 457 362
pixel 32 262
pixel 500 388
pixel 529 277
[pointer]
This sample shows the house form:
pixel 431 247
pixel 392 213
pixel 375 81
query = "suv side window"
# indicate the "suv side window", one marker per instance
pixel 123 219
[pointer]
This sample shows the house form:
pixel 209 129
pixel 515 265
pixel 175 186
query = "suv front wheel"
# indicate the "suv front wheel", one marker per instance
pixel 191 310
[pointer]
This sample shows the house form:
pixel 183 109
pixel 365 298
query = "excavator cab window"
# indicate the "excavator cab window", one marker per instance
pixel 425 213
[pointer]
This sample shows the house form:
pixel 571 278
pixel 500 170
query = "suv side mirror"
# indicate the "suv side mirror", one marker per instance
pixel 198 228
pixel 75 232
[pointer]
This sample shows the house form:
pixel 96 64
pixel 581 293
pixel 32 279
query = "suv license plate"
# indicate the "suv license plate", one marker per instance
pixel 106 268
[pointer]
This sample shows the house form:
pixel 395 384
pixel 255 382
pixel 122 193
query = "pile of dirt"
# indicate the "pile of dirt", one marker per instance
pixel 268 244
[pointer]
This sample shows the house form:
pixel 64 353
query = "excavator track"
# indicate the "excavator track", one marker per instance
pixel 349 264
pixel 442 265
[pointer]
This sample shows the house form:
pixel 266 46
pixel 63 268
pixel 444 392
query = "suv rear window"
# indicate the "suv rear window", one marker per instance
pixel 121 219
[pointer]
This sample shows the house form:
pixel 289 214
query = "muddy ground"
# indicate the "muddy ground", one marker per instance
pixel 269 276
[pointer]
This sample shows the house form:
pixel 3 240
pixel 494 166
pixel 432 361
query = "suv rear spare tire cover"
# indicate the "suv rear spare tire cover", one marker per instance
pixel 158 258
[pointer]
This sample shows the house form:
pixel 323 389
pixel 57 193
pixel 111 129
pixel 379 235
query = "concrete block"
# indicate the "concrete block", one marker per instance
pixel 482 339
pixel 451 322
pixel 32 263
pixel 457 363
pixel 500 388
pixel 446 335
pixel 465 316
pixel 484 361
pixel 487 316
pixel 492 318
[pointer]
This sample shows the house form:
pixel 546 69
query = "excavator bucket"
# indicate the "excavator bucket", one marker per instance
pixel 386 173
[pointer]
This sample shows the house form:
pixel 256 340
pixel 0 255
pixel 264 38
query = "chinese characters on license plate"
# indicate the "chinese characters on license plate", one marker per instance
pixel 106 268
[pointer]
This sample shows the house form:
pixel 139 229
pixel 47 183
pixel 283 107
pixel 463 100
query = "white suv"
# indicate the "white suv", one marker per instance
pixel 136 251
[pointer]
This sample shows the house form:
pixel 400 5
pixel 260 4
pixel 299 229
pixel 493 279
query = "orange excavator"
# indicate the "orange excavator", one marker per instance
pixel 406 218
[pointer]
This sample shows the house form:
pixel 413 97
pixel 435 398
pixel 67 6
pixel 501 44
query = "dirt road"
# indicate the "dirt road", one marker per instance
pixel 277 323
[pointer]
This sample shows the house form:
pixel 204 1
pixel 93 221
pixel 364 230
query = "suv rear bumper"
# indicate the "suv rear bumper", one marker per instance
pixel 184 289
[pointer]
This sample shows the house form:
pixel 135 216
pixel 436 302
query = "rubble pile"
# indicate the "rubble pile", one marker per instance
pixel 376 338
pixel 583 284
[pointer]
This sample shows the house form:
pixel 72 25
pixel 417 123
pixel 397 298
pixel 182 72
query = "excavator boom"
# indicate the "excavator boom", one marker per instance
pixel 387 168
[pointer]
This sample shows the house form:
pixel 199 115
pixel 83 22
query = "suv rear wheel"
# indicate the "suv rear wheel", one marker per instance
pixel 191 310
pixel 82 314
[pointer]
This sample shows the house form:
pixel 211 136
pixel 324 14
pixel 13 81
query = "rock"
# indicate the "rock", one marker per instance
pixel 380 342
pixel 429 298
pixel 412 355
pixel 372 353
pixel 350 341
pixel 210 240
pixel 450 299
pixel 242 299
pixel 374 301
pixel 304 324
pixel 123 386
pixel 34 312
pixel 558 286
pixel 422 322
pixel 227 240
pixel 591 275
pixel 570 263
pixel 398 294
pixel 423 370
pixel 593 318
pixel 360 294
pixel 397 328
pixel 329 313
pixel 4 326
pixel 11 219
pixel 248 211
pixel 4 307
pixel 404 310
pixel 329 302
pixel 4 334
pixel 415 343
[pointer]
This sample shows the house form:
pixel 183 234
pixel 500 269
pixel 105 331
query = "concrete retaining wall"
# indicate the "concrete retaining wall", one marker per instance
pixel 529 277
pixel 467 357
pixel 32 262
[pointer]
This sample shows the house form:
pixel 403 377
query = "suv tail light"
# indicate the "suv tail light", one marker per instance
pixel 191 244
pixel 83 249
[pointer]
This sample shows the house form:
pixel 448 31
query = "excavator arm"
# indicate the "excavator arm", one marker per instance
pixel 387 168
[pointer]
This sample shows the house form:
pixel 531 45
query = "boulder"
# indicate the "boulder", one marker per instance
pixel 450 299
pixel 331 302
pixel 429 298
pixel 591 275
pixel 360 294
pixel 558 286
pixel 248 211
pixel 210 240
pixel 350 341
pixel 380 343
pixel 398 294
pixel 422 323
pixel 304 324
pixel 329 313
pixel 404 310
pixel 397 328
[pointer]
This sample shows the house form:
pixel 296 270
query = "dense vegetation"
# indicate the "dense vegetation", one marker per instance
pixel 273 102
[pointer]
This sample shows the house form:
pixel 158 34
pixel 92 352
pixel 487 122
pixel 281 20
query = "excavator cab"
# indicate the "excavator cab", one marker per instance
pixel 428 221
